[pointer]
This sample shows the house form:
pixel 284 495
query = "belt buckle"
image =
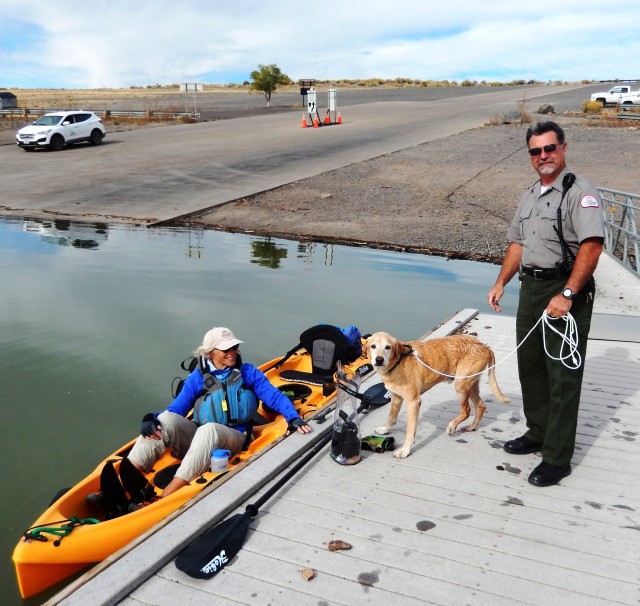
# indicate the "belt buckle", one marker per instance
pixel 538 274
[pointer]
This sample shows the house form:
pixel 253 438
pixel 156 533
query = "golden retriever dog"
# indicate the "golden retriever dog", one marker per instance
pixel 410 369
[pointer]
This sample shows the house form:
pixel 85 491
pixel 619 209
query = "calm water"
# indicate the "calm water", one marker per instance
pixel 94 321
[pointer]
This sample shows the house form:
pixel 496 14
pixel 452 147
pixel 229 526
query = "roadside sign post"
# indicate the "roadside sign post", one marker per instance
pixel 187 87
pixel 307 86
pixel 312 108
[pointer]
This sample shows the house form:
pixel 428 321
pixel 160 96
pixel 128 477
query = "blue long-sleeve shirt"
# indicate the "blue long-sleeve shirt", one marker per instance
pixel 252 377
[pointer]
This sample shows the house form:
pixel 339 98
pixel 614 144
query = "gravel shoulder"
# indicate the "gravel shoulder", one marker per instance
pixel 453 197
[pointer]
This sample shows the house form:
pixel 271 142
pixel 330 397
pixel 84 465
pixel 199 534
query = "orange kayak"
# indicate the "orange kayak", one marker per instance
pixel 73 534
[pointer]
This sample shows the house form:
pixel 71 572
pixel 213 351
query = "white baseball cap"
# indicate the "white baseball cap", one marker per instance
pixel 218 338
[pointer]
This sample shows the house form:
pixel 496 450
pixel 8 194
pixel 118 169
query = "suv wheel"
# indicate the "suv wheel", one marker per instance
pixel 96 137
pixel 56 143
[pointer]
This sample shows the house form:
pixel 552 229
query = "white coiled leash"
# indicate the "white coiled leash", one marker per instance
pixel 569 338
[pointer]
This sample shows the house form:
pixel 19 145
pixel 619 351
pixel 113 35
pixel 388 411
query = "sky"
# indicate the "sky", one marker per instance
pixel 125 43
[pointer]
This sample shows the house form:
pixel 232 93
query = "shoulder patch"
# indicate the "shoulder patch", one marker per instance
pixel 589 201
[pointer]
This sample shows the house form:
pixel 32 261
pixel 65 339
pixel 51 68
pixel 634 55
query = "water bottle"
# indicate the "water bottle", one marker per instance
pixel 220 460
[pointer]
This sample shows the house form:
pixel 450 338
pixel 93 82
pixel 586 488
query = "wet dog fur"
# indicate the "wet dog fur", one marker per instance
pixel 407 378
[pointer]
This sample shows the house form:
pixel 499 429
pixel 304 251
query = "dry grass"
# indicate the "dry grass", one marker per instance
pixel 125 99
pixel 97 98
pixel 591 107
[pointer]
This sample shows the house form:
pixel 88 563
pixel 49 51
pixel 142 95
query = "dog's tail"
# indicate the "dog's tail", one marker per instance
pixel 493 382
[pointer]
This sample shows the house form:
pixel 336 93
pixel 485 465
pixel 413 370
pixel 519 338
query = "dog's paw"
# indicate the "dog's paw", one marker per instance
pixel 383 431
pixel 402 453
pixel 451 428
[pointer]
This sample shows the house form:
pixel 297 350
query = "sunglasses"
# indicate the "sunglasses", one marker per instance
pixel 536 151
pixel 234 348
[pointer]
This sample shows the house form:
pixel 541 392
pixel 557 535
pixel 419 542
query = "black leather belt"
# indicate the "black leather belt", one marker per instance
pixel 541 273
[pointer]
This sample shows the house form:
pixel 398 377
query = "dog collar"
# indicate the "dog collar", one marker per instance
pixel 407 352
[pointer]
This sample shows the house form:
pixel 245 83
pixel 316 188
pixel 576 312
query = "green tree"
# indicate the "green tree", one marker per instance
pixel 266 79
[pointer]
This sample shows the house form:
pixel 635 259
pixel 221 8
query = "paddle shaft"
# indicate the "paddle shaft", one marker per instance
pixel 254 507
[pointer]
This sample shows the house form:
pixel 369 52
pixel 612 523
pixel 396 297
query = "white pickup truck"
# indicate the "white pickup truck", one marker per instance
pixel 632 99
pixel 612 96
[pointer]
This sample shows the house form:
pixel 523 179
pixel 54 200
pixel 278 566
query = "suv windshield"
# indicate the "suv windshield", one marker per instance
pixel 48 120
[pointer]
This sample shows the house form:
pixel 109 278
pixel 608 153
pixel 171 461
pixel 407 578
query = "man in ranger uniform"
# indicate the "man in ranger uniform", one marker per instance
pixel 223 393
pixel 555 241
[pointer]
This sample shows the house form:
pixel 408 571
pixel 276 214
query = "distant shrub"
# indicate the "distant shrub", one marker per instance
pixel 401 81
pixel 591 107
pixel 425 83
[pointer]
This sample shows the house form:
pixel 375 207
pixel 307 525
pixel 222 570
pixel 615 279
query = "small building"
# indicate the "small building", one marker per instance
pixel 8 100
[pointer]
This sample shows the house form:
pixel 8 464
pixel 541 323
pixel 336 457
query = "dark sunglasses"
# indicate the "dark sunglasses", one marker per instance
pixel 536 151
pixel 234 348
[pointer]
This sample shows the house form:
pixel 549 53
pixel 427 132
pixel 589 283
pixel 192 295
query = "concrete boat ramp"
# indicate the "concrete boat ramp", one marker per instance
pixel 454 523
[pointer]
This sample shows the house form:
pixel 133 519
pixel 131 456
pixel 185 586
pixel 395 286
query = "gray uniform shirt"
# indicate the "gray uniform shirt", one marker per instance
pixel 532 225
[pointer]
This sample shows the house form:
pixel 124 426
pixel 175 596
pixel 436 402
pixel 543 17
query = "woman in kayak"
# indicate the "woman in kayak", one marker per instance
pixel 223 393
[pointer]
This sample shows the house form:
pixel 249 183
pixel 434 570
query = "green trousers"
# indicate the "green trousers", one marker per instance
pixel 550 391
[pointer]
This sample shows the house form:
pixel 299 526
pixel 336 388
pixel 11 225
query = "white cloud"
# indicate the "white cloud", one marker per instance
pixel 72 44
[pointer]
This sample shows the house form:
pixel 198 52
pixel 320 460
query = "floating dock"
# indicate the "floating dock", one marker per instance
pixel 454 523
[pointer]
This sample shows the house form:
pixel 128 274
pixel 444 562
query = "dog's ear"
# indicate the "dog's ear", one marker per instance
pixel 397 349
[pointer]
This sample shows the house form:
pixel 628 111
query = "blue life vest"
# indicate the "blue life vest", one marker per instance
pixel 230 402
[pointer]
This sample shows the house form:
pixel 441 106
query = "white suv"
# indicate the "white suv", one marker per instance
pixel 57 129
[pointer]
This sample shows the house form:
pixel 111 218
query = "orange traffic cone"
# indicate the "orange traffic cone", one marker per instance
pixel 304 122
pixel 327 118
pixel 316 122
pixel 339 119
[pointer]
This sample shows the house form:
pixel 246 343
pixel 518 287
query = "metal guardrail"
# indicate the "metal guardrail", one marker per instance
pixel 28 112
pixel 620 211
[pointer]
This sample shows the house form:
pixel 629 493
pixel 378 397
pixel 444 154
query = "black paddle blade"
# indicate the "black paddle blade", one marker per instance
pixel 135 483
pixel 377 395
pixel 364 370
pixel 212 551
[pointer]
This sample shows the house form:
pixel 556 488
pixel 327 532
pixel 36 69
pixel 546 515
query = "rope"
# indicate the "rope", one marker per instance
pixel 569 337
pixel 35 533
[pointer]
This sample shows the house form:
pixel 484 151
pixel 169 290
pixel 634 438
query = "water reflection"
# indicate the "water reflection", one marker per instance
pixel 195 250
pixel 67 233
pixel 90 338
pixel 267 253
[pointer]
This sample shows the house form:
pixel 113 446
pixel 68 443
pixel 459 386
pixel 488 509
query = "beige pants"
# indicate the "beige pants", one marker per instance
pixel 188 442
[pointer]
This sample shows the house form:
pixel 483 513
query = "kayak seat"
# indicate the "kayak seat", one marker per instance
pixel 327 345
pixel 164 476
